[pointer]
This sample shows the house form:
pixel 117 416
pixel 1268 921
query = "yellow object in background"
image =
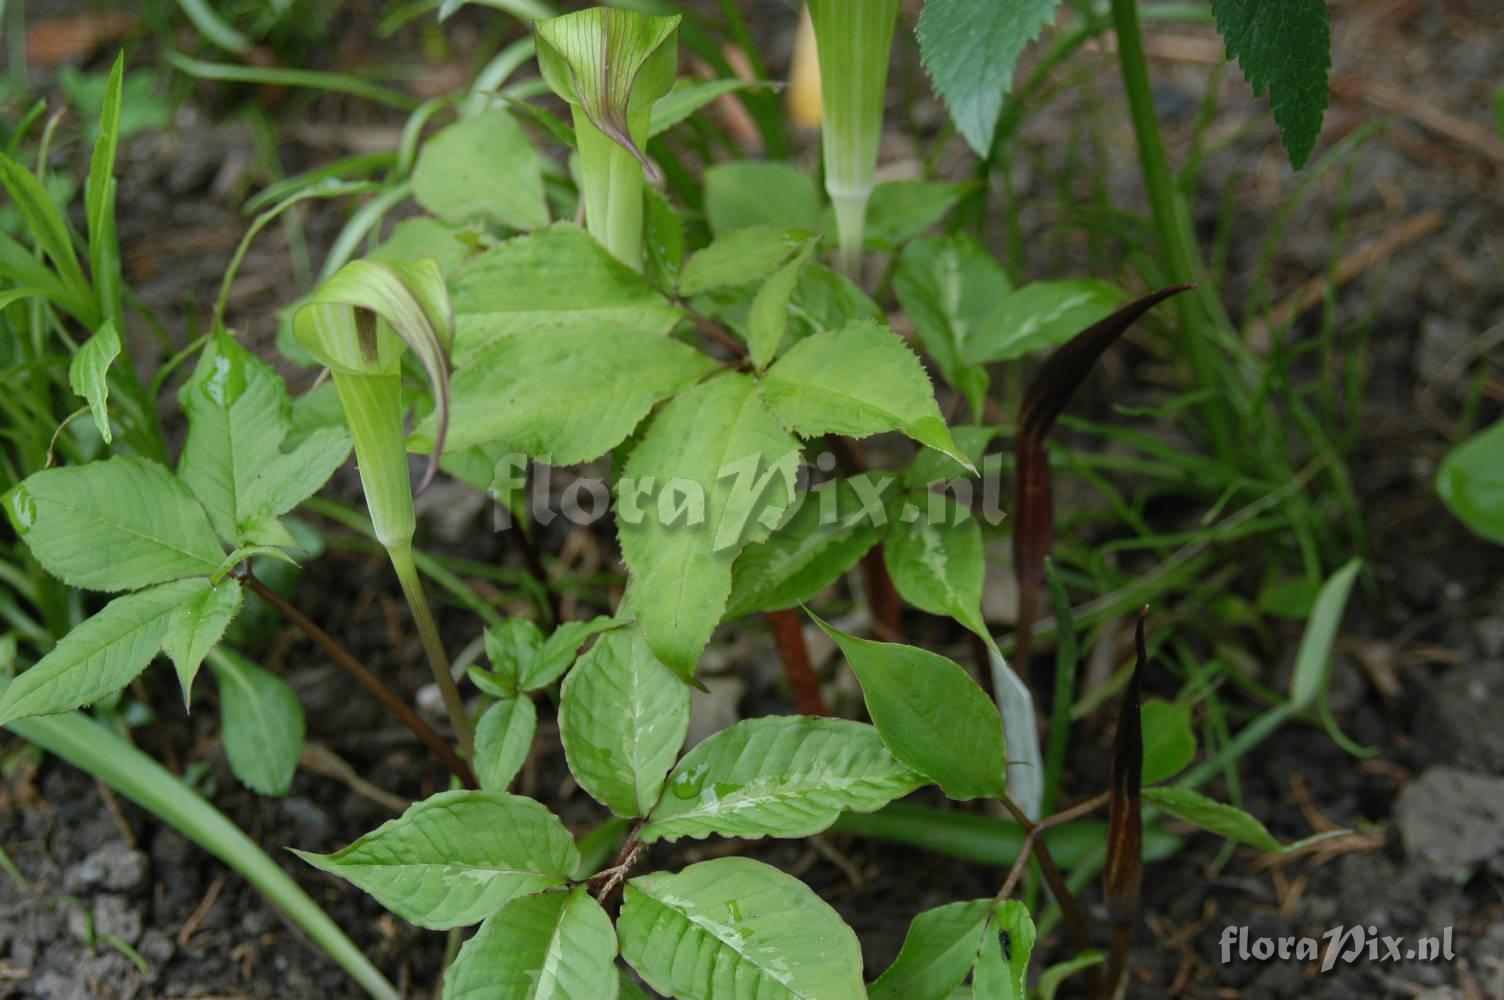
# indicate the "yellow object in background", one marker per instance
pixel 804 76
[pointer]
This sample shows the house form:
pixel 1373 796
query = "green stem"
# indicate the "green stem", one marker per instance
pixel 1198 312
pixel 612 179
pixel 854 39
pixel 98 751
pixel 433 645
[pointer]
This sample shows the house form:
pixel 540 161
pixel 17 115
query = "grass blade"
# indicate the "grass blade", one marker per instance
pixel 92 748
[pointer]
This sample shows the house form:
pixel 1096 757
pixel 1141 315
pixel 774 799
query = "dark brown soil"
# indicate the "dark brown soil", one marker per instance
pixel 1420 670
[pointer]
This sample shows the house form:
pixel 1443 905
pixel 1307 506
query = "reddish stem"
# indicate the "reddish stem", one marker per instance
pixel 788 634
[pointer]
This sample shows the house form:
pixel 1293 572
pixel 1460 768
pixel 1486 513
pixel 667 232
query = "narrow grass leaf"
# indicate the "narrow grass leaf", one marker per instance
pixel 1313 659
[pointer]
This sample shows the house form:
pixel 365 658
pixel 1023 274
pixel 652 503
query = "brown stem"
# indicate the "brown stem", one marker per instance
pixel 610 878
pixel 714 331
pixel 1075 922
pixel 882 596
pixel 788 635
pixel 375 686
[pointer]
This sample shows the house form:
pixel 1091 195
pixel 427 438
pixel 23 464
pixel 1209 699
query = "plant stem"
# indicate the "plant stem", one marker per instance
pixel 1074 920
pixel 375 686
pixel 854 39
pixel 433 646
pixel 611 180
pixel 98 751
pixel 882 596
pixel 788 635
pixel 1177 240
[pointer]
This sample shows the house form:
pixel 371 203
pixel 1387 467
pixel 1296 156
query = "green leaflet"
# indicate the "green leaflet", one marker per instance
pixel 663 240
pixel 1313 660
pixel 512 647
pixel 1039 316
pixel 901 210
pixel 859 380
pixel 552 946
pixel 238 413
pixel 561 648
pixel 565 396
pixel 739 257
pixel 780 776
pixel 87 374
pixel 1002 960
pixel 623 717
pixel 769 316
pixel 522 660
pixel 482 167
pixel 294 476
pixel 503 739
pixel 831 529
pixel 262 722
pixel 556 277
pixel 949 287
pixel 970 49
pixel 737 929
pixel 1285 50
pixel 101 655
pixel 456 856
pixel 1169 740
pixel 938 951
pixel 1471 482
pixel 931 714
pixel 196 627
pixel 1209 814
pixel 713 471
pixel 934 554
pixel 119 524
pixel 752 193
